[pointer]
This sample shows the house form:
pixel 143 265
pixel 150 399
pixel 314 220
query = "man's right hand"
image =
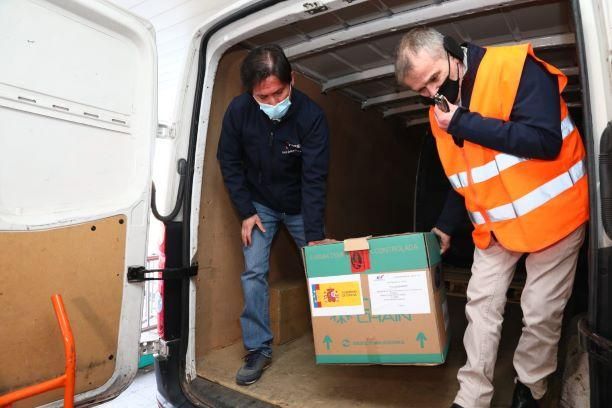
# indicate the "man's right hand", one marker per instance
pixel 247 228
pixel 445 239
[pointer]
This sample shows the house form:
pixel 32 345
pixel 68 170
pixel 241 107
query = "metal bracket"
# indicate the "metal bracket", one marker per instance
pixel 314 7
pixel 137 273
pixel 159 348
pixel 594 344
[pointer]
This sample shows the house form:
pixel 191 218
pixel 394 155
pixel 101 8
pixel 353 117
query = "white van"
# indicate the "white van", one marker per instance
pixel 78 105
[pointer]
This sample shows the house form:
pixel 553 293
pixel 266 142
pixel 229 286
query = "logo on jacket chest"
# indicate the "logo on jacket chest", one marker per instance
pixel 290 148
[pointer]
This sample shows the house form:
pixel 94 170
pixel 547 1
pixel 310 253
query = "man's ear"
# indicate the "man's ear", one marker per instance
pixel 292 78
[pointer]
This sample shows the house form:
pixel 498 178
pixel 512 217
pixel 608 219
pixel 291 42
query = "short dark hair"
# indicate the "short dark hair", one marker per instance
pixel 262 62
pixel 417 39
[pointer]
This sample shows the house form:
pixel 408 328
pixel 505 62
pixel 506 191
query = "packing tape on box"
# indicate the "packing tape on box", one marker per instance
pixel 357 244
pixel 358 249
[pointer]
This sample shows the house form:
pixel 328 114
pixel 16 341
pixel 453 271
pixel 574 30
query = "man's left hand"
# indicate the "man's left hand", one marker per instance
pixel 323 241
pixel 444 118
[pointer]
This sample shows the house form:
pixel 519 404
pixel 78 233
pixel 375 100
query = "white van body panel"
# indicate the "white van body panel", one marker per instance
pixel 50 87
pixel 78 115
pixel 182 127
pixel 597 31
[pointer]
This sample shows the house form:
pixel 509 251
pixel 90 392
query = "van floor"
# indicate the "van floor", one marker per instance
pixel 294 380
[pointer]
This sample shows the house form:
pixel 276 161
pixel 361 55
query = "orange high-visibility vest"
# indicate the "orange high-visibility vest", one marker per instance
pixel 528 204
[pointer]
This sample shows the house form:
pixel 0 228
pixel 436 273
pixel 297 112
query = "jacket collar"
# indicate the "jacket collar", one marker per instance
pixel 474 57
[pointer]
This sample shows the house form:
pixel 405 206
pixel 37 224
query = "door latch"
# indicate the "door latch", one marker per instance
pixel 158 347
pixel 138 273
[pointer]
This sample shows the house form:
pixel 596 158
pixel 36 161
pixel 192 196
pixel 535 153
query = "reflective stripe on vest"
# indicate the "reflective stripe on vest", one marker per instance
pixel 501 162
pixel 534 198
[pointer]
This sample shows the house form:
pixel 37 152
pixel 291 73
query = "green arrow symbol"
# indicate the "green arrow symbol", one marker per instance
pixel 421 338
pixel 327 340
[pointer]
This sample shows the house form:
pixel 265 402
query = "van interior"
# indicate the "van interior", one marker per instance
pixel 385 178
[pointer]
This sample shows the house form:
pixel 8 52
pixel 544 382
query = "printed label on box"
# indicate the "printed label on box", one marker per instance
pixel 336 295
pixel 360 261
pixel 399 293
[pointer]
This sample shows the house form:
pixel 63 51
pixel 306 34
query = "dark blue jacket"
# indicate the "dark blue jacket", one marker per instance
pixel 280 164
pixel 533 131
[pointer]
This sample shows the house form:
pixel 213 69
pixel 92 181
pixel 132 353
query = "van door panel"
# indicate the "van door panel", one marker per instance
pixel 78 117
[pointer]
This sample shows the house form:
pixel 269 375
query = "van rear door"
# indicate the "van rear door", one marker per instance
pixel 594 29
pixel 78 115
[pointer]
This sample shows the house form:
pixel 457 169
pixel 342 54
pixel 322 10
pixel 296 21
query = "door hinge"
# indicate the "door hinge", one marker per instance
pixel 138 273
pixel 314 7
pixel 158 347
pixel 594 344
pixel 165 131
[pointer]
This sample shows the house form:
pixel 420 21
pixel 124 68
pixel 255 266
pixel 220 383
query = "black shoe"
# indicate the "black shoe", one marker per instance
pixel 455 406
pixel 522 397
pixel 251 370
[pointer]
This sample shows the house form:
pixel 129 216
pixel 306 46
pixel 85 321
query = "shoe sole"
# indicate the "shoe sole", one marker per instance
pixel 255 380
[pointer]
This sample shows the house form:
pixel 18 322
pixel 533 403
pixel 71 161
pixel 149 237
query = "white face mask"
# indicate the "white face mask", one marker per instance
pixel 276 112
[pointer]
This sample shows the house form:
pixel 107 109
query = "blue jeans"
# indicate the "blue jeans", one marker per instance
pixel 255 318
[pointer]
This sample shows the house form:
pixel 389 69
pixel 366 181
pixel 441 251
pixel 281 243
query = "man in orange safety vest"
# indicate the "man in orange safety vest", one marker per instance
pixel 516 162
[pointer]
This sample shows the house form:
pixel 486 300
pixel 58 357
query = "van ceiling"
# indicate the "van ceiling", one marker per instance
pixel 351 49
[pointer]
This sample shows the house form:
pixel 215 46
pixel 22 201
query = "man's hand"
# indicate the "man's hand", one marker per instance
pixel 323 241
pixel 445 239
pixel 247 228
pixel 444 118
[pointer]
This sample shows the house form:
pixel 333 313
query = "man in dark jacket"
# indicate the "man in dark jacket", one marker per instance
pixel 274 154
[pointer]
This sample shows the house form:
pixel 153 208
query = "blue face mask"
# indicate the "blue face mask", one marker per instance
pixel 276 112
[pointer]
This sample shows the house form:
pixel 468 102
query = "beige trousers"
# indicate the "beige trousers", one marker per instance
pixel 550 277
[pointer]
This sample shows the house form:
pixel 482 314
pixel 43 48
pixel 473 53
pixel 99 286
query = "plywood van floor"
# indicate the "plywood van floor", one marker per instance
pixel 294 380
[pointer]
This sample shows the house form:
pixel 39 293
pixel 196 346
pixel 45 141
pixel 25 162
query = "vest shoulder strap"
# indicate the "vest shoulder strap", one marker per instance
pixel 500 69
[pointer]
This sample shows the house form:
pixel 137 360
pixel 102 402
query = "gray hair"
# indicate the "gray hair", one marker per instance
pixel 415 40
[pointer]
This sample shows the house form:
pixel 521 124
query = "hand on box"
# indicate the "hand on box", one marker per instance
pixel 445 239
pixel 323 241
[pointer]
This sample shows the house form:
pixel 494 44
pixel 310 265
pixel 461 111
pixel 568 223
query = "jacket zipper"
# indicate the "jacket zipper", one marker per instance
pixel 271 146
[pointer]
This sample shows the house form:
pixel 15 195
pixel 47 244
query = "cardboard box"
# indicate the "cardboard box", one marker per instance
pixel 289 316
pixel 378 301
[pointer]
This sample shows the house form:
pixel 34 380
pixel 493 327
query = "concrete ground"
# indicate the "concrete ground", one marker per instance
pixel 140 394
